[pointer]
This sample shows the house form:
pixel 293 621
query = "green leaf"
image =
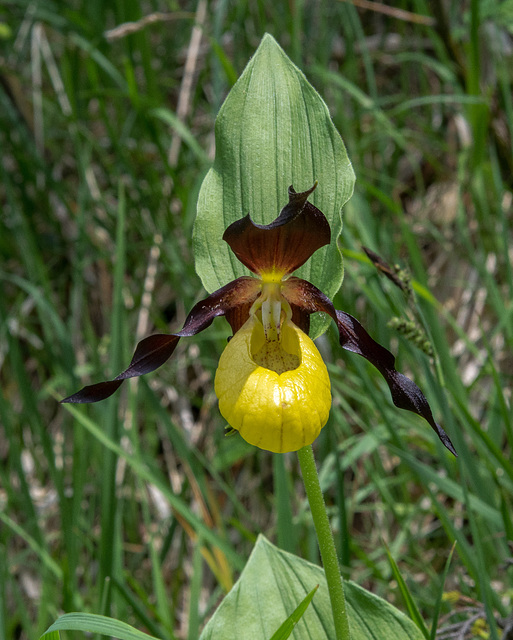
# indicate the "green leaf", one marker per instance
pixel 91 622
pixel 288 625
pixel 272 584
pixel 272 131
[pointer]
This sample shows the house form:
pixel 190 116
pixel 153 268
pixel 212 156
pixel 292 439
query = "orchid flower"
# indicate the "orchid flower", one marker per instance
pixel 272 384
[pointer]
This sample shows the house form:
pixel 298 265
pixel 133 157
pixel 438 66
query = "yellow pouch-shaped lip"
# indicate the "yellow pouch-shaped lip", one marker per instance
pixel 277 410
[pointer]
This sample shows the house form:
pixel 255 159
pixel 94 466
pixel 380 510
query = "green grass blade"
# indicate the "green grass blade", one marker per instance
pixel 439 599
pixel 146 474
pixel 195 591
pixel 110 540
pixel 92 623
pixel 410 603
pixel 285 629
pixel 285 528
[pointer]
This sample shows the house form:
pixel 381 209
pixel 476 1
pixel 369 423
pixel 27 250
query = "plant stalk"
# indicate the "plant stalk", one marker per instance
pixel 326 542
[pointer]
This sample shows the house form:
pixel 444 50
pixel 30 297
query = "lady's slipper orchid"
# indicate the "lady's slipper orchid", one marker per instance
pixel 272 384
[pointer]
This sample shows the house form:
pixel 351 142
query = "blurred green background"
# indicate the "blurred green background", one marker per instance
pixel 140 507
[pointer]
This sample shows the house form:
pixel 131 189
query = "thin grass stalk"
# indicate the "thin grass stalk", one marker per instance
pixel 195 590
pixel 489 597
pixel 139 606
pixel 285 530
pixel 3 600
pixel 163 604
pixel 109 547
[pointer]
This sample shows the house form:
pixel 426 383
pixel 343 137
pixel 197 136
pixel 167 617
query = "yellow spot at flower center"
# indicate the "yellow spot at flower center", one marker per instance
pixel 271 276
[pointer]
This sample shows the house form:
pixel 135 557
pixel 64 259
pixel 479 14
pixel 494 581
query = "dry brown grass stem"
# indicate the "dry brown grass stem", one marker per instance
pixel 127 28
pixel 393 12
pixel 189 73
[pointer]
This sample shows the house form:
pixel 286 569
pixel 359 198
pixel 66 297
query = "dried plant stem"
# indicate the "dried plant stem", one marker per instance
pixel 184 97
pixel 326 542
pixel 399 14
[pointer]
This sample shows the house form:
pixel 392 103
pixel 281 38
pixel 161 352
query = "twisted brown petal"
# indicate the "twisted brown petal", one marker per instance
pixel 405 393
pixel 353 337
pixel 286 243
pixel 153 351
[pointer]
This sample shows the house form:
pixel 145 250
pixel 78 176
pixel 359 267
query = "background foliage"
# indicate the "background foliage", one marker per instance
pixel 139 507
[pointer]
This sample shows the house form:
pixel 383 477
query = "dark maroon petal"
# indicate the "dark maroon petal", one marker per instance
pixel 94 392
pixel 150 354
pixel 300 318
pixel 405 393
pixel 237 316
pixel 305 299
pixel 153 351
pixel 284 244
pixel 303 295
pixel 240 293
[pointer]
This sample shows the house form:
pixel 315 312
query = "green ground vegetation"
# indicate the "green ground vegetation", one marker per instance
pixel 140 507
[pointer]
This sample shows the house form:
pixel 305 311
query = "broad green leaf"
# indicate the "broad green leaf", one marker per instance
pixel 91 622
pixel 272 584
pixel 272 131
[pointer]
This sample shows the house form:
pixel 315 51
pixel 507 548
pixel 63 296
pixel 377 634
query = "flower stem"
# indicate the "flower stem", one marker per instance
pixel 326 542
